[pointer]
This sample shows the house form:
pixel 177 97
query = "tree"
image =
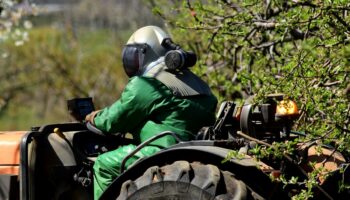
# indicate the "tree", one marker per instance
pixel 74 50
pixel 300 48
pixel 11 28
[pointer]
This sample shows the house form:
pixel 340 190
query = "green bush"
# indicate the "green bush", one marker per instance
pixel 252 47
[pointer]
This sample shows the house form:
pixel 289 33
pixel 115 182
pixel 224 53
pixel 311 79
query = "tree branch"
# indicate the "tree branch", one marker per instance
pixel 347 26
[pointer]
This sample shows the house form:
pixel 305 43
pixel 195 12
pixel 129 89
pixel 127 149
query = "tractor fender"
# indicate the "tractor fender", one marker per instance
pixel 245 169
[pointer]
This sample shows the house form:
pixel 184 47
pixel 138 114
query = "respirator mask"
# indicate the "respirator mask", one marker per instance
pixel 177 58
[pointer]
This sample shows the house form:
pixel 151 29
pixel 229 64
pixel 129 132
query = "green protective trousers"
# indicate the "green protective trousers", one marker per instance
pixel 107 165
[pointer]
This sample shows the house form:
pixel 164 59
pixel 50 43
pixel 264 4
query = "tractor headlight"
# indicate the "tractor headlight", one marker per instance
pixel 286 108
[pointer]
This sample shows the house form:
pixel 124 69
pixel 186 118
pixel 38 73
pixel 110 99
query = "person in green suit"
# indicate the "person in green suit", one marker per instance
pixel 162 95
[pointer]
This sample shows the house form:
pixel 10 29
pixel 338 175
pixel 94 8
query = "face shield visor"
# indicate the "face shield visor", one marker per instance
pixel 133 57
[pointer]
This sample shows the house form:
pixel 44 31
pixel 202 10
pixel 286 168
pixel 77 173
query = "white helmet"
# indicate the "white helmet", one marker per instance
pixel 143 47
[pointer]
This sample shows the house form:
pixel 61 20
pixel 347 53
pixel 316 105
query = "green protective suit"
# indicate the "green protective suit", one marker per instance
pixel 148 107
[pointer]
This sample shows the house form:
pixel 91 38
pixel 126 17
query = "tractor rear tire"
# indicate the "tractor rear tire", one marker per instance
pixel 186 181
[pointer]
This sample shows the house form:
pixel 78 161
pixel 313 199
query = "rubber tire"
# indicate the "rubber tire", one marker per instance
pixel 185 181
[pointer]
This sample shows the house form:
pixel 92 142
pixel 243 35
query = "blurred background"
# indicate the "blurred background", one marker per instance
pixel 54 50
pixel 62 49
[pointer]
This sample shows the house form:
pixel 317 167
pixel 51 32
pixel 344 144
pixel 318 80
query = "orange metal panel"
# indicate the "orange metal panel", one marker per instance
pixel 9 170
pixel 10 151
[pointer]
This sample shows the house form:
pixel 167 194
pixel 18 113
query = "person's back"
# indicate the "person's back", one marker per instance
pixel 156 99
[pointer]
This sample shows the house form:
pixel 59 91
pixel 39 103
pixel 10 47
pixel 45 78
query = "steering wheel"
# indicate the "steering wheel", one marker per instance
pixel 93 129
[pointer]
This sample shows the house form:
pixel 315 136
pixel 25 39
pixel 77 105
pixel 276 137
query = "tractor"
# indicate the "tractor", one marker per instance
pixel 55 161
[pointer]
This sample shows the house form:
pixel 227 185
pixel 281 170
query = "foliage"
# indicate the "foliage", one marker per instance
pixel 13 29
pixel 52 67
pixel 11 24
pixel 300 48
pixel 73 49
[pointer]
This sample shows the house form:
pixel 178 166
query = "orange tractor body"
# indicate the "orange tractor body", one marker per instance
pixel 10 151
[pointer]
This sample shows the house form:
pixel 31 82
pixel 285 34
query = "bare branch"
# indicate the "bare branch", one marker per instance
pixel 347 26
pixel 265 24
